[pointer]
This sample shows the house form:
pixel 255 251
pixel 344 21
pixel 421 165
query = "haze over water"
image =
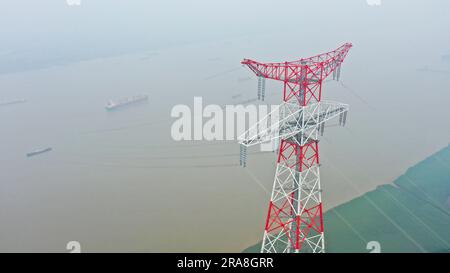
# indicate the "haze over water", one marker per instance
pixel 116 181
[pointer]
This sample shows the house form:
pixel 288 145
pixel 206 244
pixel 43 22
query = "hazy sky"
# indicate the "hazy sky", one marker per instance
pixel 51 30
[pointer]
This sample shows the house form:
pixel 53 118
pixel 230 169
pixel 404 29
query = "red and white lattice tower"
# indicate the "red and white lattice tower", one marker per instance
pixel 295 220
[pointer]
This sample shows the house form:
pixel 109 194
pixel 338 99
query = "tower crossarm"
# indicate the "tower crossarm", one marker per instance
pixel 317 68
pixel 324 64
pixel 289 119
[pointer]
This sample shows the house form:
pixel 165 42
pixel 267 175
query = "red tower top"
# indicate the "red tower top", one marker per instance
pixel 302 78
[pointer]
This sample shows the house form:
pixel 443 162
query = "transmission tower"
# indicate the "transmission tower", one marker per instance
pixel 295 219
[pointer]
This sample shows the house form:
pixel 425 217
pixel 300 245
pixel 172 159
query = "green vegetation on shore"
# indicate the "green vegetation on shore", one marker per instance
pixel 410 215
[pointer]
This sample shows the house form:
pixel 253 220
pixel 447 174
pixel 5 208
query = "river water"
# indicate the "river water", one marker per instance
pixel 116 181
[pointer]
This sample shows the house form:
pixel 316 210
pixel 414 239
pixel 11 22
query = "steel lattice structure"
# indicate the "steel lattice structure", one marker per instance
pixel 295 219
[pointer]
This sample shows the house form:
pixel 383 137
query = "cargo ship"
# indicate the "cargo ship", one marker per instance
pixel 37 152
pixel 4 103
pixel 111 105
